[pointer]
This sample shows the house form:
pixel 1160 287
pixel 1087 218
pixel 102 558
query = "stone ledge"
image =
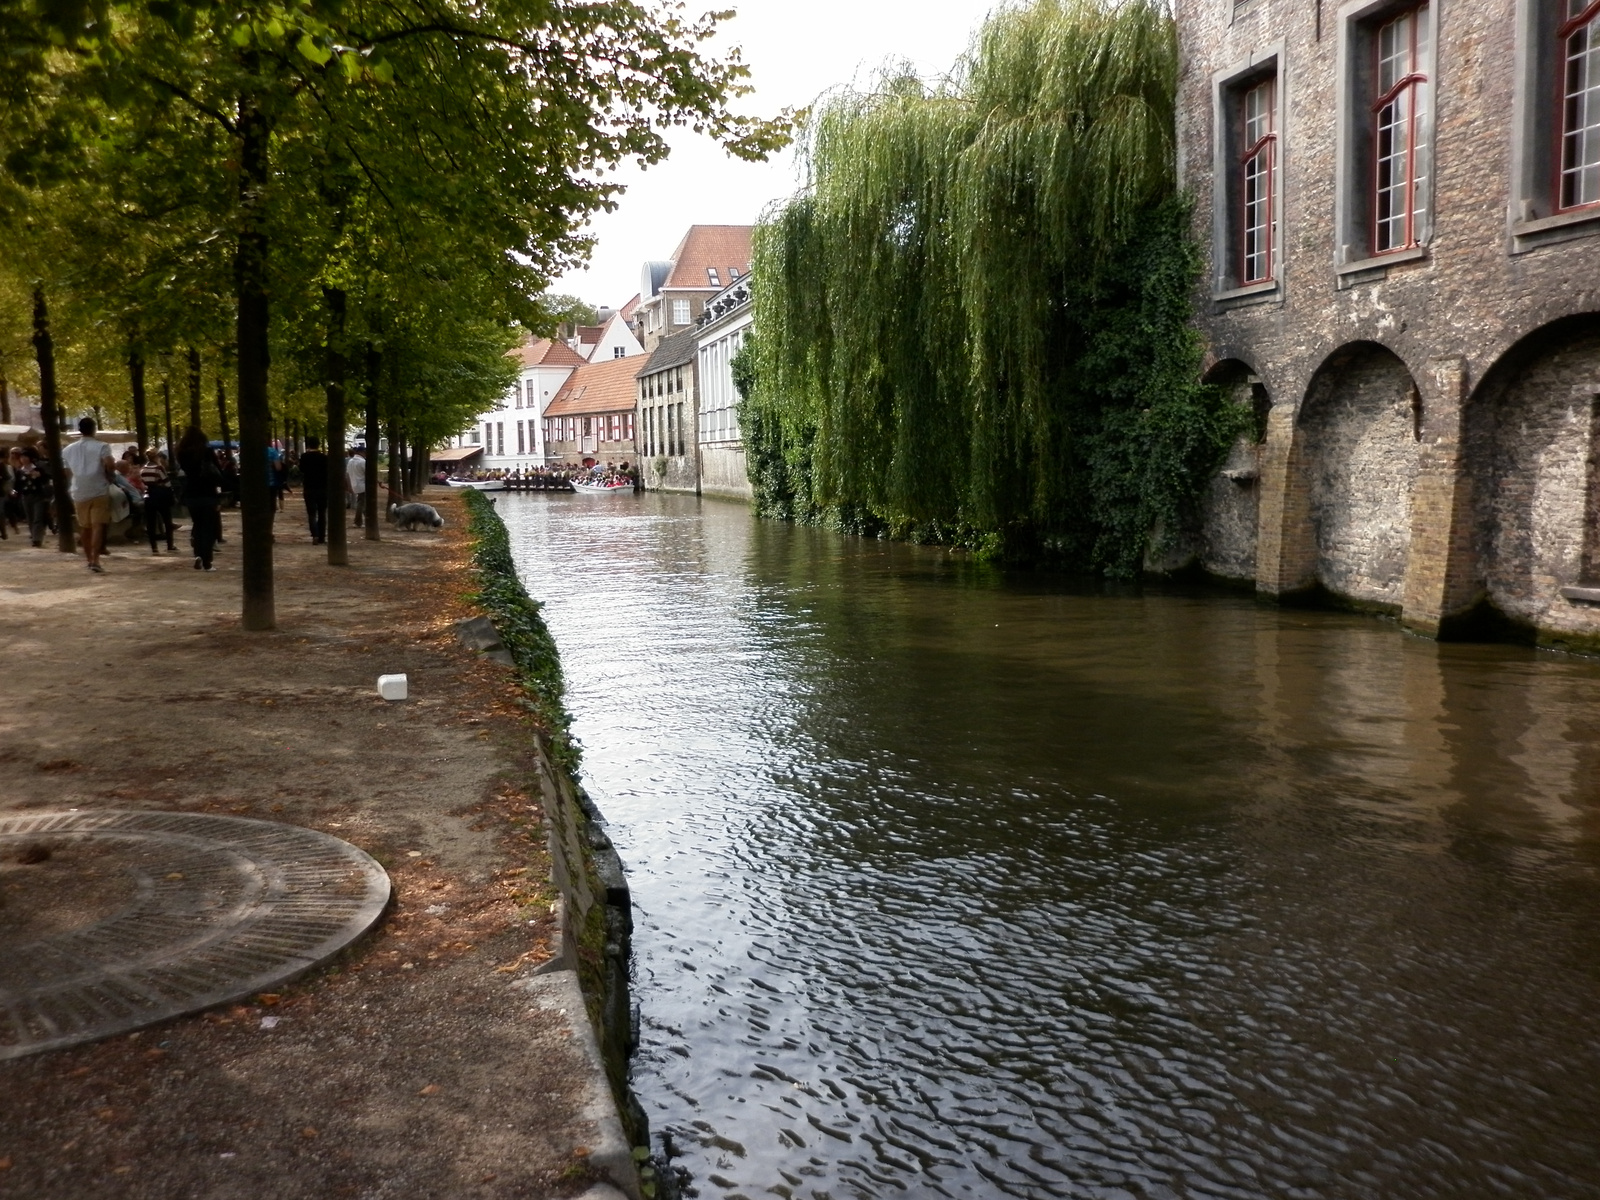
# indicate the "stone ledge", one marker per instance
pixel 1581 595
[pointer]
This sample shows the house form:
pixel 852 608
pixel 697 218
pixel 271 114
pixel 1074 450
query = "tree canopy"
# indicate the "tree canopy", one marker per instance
pixel 972 324
pixel 377 190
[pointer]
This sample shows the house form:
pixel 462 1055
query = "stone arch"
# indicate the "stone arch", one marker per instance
pixel 1532 446
pixel 1231 503
pixel 1356 443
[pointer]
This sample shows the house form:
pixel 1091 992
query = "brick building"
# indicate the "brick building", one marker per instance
pixel 673 294
pixel 590 420
pixel 668 415
pixel 1401 208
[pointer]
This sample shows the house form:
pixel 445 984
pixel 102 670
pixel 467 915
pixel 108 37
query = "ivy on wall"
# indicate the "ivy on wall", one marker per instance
pixel 973 326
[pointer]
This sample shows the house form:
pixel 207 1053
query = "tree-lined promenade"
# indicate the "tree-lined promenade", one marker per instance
pixel 328 214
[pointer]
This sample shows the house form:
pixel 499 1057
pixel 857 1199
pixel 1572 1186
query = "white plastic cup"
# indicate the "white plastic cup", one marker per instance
pixel 392 687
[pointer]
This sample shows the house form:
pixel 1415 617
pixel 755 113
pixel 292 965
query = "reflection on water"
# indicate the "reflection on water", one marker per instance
pixel 955 885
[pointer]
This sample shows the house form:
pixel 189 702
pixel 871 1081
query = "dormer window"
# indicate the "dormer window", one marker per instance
pixel 711 274
pixel 733 274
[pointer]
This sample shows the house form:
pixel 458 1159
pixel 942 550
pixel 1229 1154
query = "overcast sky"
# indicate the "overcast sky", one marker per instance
pixel 794 51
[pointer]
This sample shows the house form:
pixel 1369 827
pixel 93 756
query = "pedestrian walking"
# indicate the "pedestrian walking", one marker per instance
pixel 30 483
pixel 314 487
pixel 158 498
pixel 90 466
pixel 202 487
pixel 355 474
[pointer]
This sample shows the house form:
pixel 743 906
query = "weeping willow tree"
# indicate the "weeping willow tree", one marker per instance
pixel 973 324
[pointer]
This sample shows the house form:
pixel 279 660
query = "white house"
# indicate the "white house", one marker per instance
pixel 724 324
pixel 510 436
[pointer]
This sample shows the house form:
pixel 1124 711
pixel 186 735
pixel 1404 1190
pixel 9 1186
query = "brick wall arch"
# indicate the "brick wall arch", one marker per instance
pixel 1352 468
pixel 1531 437
pixel 1229 510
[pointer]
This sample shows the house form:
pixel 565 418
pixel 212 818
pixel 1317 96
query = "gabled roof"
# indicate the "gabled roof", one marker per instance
pixel 629 308
pixel 671 352
pixel 542 352
pixel 724 248
pixel 590 334
pixel 598 387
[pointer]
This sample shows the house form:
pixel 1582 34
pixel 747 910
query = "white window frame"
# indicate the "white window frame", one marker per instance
pixel 680 312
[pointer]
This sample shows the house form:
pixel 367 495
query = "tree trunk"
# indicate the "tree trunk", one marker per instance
pixel 374 366
pixel 394 461
pixel 333 384
pixel 141 420
pixel 250 282
pixel 194 388
pixel 419 467
pixel 166 404
pixel 222 407
pixel 44 349
pixel 5 401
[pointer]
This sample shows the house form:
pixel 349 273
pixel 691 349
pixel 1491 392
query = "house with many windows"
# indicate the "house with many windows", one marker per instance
pixel 719 336
pixel 1400 205
pixel 512 435
pixel 668 416
pixel 591 419
pixel 672 294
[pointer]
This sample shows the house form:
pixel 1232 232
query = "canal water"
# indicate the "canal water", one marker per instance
pixel 953 883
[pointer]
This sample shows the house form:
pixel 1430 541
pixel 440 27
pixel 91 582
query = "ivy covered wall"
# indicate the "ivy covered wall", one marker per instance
pixel 972 326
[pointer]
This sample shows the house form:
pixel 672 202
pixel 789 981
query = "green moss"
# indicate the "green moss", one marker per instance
pixel 516 616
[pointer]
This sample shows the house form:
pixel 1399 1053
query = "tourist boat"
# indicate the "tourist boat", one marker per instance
pixel 481 485
pixel 602 489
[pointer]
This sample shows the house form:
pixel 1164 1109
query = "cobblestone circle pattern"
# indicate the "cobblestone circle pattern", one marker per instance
pixel 186 911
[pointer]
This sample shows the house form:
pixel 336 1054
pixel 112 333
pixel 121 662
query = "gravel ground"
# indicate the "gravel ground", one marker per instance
pixel 408 1068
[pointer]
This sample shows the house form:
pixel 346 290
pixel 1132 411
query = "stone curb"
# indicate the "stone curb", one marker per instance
pixel 609 1153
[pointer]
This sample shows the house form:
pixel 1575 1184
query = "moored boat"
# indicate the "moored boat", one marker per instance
pixel 601 489
pixel 481 485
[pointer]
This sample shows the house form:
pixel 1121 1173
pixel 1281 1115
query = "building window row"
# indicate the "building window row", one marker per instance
pixel 1383 193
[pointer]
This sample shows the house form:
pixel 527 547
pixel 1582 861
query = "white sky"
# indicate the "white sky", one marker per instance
pixel 795 51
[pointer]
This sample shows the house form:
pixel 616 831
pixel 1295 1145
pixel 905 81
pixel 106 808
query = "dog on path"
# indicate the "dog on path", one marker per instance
pixel 415 516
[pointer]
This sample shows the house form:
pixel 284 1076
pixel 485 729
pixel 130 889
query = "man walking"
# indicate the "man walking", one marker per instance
pixel 314 487
pixel 90 465
pixel 355 473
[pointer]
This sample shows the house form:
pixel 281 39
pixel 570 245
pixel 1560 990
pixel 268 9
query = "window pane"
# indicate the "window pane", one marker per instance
pixel 1580 143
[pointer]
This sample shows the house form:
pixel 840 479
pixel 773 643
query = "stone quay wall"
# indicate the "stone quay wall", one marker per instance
pixel 1429 431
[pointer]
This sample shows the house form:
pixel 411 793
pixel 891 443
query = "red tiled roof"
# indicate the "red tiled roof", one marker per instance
pixel 590 334
pixel 600 387
pixel 725 248
pixel 542 352
pixel 627 309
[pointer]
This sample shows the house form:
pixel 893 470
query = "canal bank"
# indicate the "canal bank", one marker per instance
pixel 1287 903
pixel 434 1057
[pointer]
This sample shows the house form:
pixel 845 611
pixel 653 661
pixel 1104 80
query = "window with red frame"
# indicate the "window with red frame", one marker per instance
pixel 1258 167
pixel 1401 177
pixel 1579 38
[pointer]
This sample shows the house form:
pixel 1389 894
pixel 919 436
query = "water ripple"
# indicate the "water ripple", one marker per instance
pixel 957 886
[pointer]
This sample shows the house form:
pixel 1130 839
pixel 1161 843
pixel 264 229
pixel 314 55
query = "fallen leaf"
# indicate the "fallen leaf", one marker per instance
pixel 308 1132
pixel 106 1114
pixel 268 998
pixel 78 1074
pixel 431 1090
pixel 155 1053
pixel 121 1170
pixel 5 1163
pixel 175 877
pixel 489 1178
pixel 580 1152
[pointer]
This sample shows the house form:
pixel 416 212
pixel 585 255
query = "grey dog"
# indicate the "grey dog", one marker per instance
pixel 415 516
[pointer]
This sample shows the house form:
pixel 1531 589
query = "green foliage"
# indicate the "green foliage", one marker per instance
pixel 516 617
pixel 972 326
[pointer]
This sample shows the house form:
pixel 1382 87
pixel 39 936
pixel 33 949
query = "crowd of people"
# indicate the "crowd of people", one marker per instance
pixel 557 477
pixel 145 487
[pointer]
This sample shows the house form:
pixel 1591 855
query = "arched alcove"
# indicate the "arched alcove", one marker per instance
pixel 1229 509
pixel 1532 442
pixel 1356 435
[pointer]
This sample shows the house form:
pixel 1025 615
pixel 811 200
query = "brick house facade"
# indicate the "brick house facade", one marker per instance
pixel 1400 205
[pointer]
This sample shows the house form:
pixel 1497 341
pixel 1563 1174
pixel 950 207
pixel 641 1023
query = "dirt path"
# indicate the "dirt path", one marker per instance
pixel 409 1069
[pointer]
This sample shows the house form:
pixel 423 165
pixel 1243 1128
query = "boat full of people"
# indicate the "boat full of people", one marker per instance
pixel 602 488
